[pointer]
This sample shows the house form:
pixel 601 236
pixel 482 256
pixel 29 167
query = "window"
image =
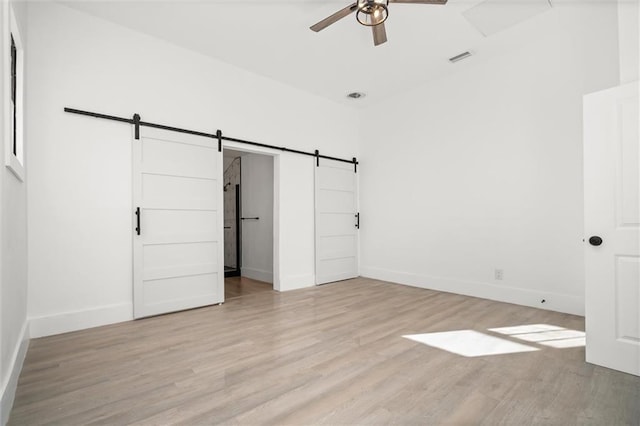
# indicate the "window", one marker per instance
pixel 14 145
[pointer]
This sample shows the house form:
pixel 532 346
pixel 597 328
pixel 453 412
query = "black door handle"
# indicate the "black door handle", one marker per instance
pixel 595 240
pixel 358 220
pixel 138 220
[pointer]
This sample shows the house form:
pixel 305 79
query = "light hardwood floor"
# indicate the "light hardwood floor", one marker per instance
pixel 243 286
pixel 327 355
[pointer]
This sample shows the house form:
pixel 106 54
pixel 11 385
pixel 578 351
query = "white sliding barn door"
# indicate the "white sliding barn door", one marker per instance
pixel 612 223
pixel 337 221
pixel 178 251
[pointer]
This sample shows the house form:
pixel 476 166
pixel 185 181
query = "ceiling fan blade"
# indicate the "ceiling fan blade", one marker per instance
pixel 379 34
pixel 419 1
pixel 334 18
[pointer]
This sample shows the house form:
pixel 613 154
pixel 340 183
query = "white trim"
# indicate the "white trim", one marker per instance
pixel 276 223
pixel 554 301
pixel 257 274
pixel 17 361
pixel 13 163
pixel 65 322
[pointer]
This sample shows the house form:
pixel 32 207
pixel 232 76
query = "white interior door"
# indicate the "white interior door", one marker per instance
pixel 612 215
pixel 178 246
pixel 337 221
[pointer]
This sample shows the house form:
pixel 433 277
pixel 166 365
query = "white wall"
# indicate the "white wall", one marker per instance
pixel 483 170
pixel 13 237
pixel 257 201
pixel 292 178
pixel 80 215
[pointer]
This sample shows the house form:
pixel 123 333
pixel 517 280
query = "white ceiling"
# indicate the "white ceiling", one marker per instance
pixel 272 38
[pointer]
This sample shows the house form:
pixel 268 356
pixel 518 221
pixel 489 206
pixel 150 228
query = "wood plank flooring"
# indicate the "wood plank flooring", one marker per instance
pixel 243 286
pixel 327 355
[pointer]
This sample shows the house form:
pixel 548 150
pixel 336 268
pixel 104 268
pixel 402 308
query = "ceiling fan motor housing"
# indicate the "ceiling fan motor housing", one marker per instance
pixel 372 12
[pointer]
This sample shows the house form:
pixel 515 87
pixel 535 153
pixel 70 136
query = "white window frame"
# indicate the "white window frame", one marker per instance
pixel 14 162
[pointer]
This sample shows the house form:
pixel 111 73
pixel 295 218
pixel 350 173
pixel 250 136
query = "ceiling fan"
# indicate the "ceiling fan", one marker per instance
pixel 370 13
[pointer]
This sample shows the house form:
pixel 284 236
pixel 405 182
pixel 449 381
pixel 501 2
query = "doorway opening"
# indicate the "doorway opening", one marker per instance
pixel 248 196
pixel 231 196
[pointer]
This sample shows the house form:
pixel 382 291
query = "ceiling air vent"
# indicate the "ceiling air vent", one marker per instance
pixel 356 95
pixel 463 55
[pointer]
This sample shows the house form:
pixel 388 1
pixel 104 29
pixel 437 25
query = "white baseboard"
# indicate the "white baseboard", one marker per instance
pixel 257 274
pixel 519 296
pixel 79 320
pixel 15 367
pixel 297 282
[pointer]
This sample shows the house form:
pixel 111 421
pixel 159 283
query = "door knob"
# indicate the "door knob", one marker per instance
pixel 595 240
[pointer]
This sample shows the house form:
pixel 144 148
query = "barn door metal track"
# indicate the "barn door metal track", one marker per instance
pixel 137 122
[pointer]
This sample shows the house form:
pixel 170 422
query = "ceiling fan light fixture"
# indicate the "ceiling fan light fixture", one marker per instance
pixel 372 12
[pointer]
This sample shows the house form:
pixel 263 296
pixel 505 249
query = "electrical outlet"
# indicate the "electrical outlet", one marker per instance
pixel 499 274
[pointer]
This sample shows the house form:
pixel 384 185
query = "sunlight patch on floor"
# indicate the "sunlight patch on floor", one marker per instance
pixel 524 329
pixel 577 342
pixel 470 343
pixel 545 334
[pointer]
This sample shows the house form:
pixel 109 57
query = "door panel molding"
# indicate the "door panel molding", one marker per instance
pixel 612 212
pixel 336 220
pixel 178 255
